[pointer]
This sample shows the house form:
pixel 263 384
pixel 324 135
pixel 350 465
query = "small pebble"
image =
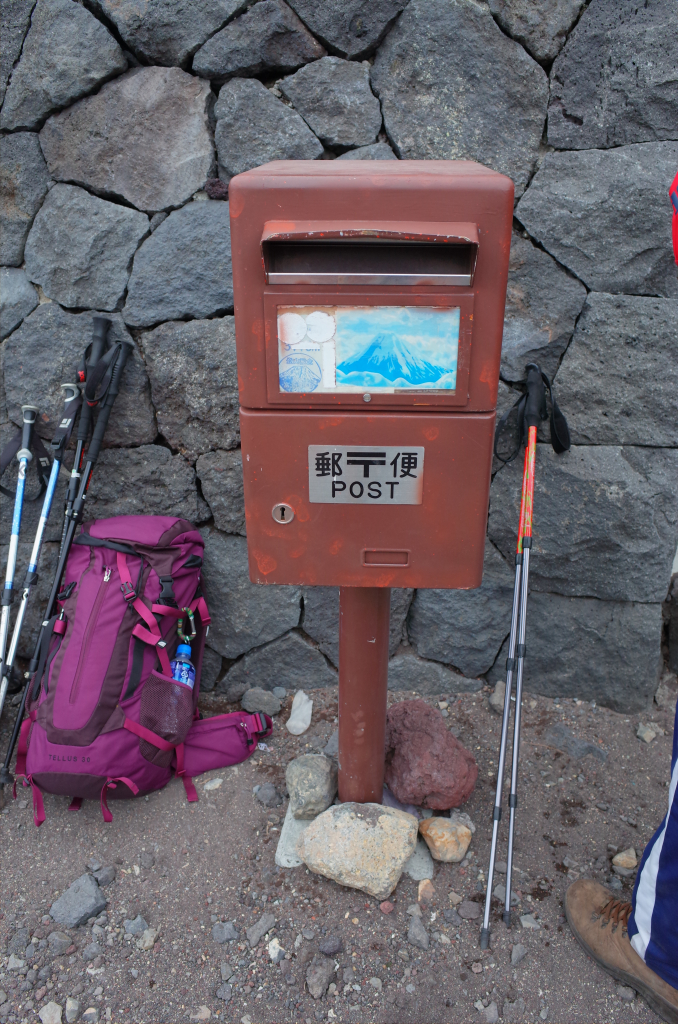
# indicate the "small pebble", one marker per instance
pixel 477 968
pixel 386 907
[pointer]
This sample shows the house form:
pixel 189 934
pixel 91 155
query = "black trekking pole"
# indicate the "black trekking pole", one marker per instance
pixel 114 360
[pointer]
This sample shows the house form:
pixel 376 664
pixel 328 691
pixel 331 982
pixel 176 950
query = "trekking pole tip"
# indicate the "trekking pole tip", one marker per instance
pixel 507 918
pixel 6 778
pixel 484 938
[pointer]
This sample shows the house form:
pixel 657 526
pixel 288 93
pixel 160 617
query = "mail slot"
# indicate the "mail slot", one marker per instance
pixel 369 303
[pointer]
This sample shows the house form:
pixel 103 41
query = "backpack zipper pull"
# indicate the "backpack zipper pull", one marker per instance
pixel 107 574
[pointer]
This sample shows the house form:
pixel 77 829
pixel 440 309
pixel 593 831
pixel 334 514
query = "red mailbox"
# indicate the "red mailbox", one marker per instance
pixel 369 306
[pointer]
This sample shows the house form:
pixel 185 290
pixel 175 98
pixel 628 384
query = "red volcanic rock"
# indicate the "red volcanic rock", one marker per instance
pixel 425 764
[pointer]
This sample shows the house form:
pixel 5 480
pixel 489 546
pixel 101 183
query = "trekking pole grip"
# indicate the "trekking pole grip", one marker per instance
pixel 126 348
pixel 100 326
pixel 30 415
pixel 535 407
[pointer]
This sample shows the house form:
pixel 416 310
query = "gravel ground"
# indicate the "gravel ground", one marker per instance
pixel 185 866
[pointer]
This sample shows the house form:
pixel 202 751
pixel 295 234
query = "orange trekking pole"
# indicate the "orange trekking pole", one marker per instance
pixel 531 411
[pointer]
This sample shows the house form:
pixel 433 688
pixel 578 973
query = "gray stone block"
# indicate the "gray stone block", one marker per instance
pixel 24 179
pixel 144 137
pixel 254 127
pixel 542 305
pixel 615 81
pixel 220 475
pixel 606 651
pixel 18 298
pixel 45 351
pixel 82 900
pixel 619 378
pixel 422 74
pixel 602 214
pixel 465 628
pixel 166 32
pixel 605 521
pixel 334 97
pixel 145 481
pixel 184 268
pixel 351 28
pixel 15 17
pixel 542 26
pixel 194 384
pixel 244 615
pixel 80 247
pixel 290 662
pixel 321 618
pixel 377 151
pixel 66 53
pixel 407 672
pixel 268 39
pixel 210 670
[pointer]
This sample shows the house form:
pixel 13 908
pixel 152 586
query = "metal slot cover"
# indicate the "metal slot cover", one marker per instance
pixel 369 262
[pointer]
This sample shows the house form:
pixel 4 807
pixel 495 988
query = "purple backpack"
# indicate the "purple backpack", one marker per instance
pixel 105 718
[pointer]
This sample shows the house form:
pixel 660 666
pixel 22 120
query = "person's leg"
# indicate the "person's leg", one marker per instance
pixel 637 943
pixel 653 925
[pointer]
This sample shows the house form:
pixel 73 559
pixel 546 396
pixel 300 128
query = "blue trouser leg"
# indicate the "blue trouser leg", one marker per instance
pixel 653 925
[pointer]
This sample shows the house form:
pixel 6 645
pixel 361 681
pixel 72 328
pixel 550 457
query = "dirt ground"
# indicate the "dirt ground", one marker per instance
pixel 183 866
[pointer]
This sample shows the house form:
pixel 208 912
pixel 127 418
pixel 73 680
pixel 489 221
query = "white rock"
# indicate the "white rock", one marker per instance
pixel 645 732
pixel 286 855
pixel 212 784
pixel 147 940
pixel 14 963
pixel 497 697
pixel 528 921
pixel 300 718
pixel 50 1014
pixel 275 951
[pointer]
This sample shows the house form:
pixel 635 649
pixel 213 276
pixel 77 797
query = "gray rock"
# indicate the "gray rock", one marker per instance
pixel 466 628
pixel 619 378
pixel 18 298
pixel 19 941
pixel 220 475
pixel 243 615
pixel 607 651
pixel 321 618
pixel 614 82
pixel 601 213
pixel 351 28
pixel 334 97
pixel 23 185
pixel 226 971
pixel 377 151
pixel 80 247
pixel 286 855
pixel 256 699
pixel 542 306
pixel 332 945
pixel 518 953
pixel 254 127
pixel 145 481
pixel 558 735
pixel 422 74
pixel 58 942
pixel 468 910
pixel 407 672
pixel 46 350
pixel 171 277
pixel 420 864
pixel 72 1010
pixel 105 875
pixel 210 670
pixel 194 384
pixel 144 137
pixel 224 931
pixel 451 917
pixel 92 951
pixel 82 900
pixel 135 926
pixel 269 38
pixel 90 1016
pixel 256 933
pixel 268 795
pixel 592 506
pixel 224 992
pixel 66 53
pixel 280 692
pixel 290 662
pixel 318 976
pixel 331 748
pixel 312 785
pixel 15 17
pixel 417 934
pixel 542 26
pixel 163 31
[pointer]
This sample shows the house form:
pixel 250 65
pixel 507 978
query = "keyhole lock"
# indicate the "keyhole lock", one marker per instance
pixel 283 513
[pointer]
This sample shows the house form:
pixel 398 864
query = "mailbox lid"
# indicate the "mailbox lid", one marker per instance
pixel 385 203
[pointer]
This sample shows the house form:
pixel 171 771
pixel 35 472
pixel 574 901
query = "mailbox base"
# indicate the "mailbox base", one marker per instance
pixel 364 614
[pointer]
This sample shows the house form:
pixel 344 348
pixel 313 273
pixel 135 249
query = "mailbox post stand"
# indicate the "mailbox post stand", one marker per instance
pixel 363 668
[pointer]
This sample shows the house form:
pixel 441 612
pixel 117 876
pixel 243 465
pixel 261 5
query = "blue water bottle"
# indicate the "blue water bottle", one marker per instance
pixel 182 667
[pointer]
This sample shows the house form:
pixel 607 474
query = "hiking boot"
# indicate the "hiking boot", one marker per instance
pixel 598 922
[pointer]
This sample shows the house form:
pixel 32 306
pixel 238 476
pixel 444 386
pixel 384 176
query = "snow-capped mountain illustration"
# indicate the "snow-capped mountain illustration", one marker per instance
pixel 388 357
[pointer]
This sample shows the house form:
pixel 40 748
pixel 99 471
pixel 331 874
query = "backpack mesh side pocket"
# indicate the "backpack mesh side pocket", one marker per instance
pixel 167 710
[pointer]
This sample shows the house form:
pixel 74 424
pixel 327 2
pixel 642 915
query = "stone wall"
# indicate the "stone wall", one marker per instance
pixel 120 127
